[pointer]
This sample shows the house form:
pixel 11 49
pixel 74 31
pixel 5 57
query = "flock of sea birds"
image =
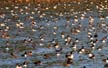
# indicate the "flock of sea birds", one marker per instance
pixel 33 36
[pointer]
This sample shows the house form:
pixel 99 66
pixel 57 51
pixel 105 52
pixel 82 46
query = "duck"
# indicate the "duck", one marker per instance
pixel 92 46
pixel 42 39
pixel 25 63
pixel 91 20
pixel 101 18
pixel 69 62
pixel 5 34
pixel 30 53
pixel 68 40
pixel 24 55
pixel 105 61
pixel 104 39
pixel 56 45
pixel 84 67
pixel 76 19
pixel 76 40
pixel 49 46
pixel 91 41
pixel 91 56
pixel 62 35
pixel 90 36
pixel 33 23
pixel 58 54
pixel 54 32
pixel 18 66
pixel 81 50
pixel 96 35
pixel 46 56
pixel 30 40
pixel 55 27
pixel 70 55
pixel 25 41
pixel 37 62
pixel 105 65
pixel 74 46
pixel 53 41
pixel 59 49
pixel 7 48
pixel 7 43
pixel 100 48
pixel 82 16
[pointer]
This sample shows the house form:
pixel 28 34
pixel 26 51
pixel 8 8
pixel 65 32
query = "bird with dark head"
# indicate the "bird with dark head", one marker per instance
pixel 46 56
pixel 91 56
pixel 25 63
pixel 37 62
pixel 59 49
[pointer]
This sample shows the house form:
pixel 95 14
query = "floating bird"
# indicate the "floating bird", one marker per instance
pixel 25 63
pixel 82 50
pixel 37 62
pixel 70 56
pixel 56 45
pixel 59 50
pixel 105 60
pixel 18 66
pixel 30 53
pixel 91 56
pixel 46 56
pixel 58 54
pixel 83 67
pixel 24 55
pixel 106 65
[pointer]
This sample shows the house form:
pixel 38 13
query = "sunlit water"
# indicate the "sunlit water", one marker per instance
pixel 37 28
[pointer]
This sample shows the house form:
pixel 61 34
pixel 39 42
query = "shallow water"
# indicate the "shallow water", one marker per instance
pixel 43 36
